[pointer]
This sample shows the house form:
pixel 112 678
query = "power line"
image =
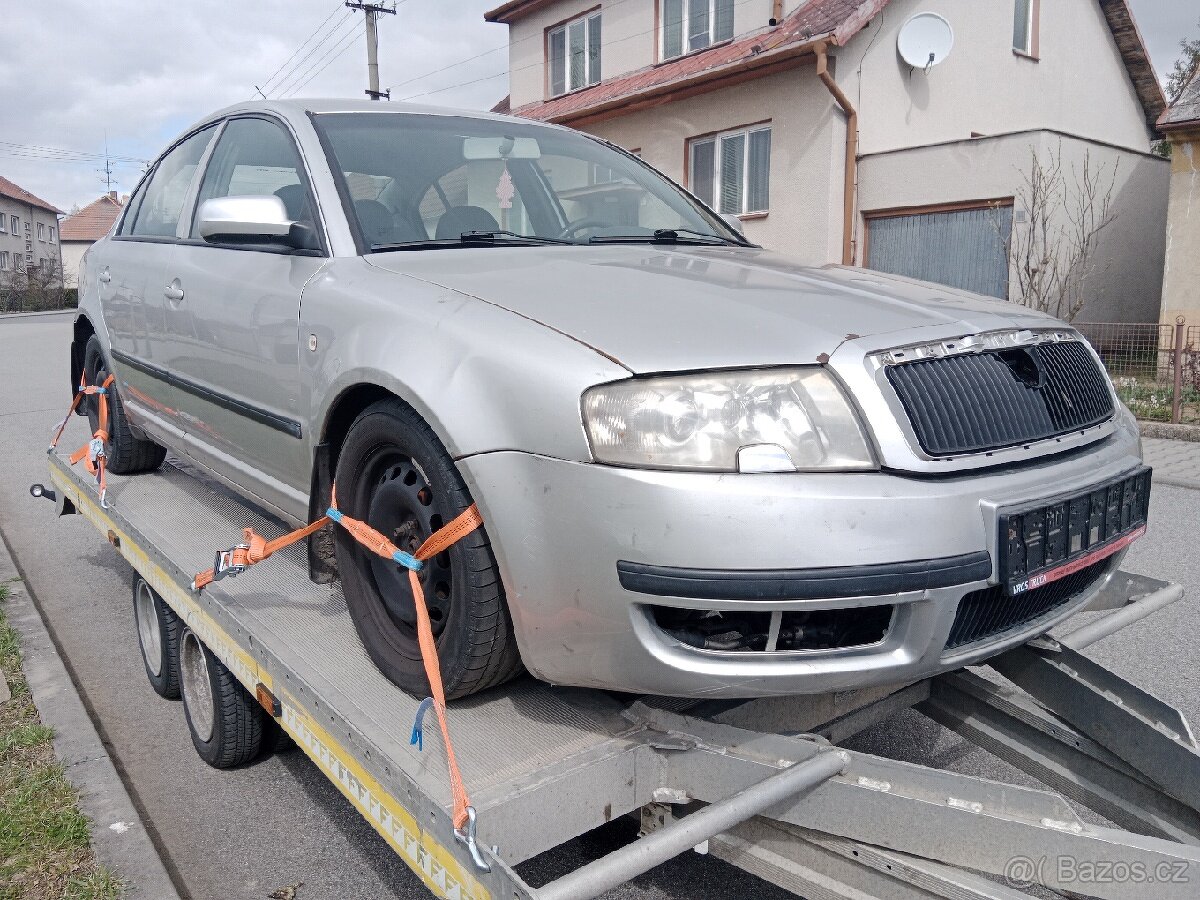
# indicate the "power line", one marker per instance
pixel 296 52
pixel 63 153
pixel 371 12
pixel 340 49
pixel 335 32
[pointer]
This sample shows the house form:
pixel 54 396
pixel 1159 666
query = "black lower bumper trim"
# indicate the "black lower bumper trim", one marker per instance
pixel 804 584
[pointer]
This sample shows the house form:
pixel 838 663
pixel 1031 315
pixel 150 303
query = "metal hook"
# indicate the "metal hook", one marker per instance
pixel 467 836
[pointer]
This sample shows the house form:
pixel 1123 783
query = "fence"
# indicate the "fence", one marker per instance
pixel 1155 368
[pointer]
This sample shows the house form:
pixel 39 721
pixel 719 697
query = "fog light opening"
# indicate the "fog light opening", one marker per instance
pixel 736 631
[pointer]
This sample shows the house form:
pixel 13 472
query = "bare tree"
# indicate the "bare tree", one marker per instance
pixel 1055 250
pixel 33 288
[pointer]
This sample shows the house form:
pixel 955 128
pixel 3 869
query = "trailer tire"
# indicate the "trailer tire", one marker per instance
pixel 225 722
pixel 126 454
pixel 394 473
pixel 158 630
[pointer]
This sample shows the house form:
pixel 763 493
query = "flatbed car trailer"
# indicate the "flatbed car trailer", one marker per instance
pixel 763 784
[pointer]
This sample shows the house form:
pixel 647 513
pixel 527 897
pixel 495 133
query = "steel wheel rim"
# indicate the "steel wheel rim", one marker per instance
pixel 401 504
pixel 197 690
pixel 149 634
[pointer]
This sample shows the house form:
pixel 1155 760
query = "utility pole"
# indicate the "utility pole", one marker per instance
pixel 371 10
pixel 107 171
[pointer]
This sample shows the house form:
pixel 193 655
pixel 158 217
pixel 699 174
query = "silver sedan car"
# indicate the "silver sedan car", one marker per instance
pixel 704 469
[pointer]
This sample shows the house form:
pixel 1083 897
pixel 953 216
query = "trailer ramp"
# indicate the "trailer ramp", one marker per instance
pixel 763 784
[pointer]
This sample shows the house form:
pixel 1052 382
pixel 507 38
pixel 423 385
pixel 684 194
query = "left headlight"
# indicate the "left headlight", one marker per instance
pixel 771 420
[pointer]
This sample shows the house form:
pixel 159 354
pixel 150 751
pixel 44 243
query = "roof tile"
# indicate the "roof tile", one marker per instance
pixel 92 222
pixel 15 192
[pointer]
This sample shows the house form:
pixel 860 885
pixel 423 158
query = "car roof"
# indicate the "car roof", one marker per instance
pixel 294 107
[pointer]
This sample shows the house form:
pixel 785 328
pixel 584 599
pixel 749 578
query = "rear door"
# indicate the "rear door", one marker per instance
pixel 129 272
pixel 235 345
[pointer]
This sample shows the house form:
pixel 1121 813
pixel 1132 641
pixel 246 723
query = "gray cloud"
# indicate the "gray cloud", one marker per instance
pixel 141 71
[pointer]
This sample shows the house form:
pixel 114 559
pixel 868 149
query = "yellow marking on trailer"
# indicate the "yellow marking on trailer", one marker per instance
pixel 437 867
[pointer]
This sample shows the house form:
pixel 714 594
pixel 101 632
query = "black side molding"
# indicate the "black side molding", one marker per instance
pixel 253 413
pixel 804 584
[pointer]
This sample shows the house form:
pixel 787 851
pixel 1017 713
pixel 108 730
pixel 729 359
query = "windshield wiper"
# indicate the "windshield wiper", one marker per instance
pixel 664 236
pixel 470 239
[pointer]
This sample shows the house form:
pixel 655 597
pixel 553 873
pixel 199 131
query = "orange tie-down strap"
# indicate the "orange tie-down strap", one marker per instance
pixel 255 549
pixel 91 453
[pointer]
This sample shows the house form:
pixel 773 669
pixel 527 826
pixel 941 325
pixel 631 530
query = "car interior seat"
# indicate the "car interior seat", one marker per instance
pixel 458 219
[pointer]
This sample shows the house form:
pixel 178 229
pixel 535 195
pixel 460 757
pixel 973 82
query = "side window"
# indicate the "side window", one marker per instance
pixel 256 158
pixel 162 204
pixel 131 208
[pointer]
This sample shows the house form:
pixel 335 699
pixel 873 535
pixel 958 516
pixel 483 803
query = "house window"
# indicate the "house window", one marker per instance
pixel 16 224
pixel 689 25
pixel 3 259
pixel 574 54
pixel 3 222
pixel 731 172
pixel 41 231
pixel 52 235
pixel 1025 27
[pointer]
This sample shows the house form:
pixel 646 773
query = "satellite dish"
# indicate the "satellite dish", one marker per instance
pixel 925 40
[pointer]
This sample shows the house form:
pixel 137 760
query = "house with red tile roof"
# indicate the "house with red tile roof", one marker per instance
pixel 28 233
pixel 804 120
pixel 83 228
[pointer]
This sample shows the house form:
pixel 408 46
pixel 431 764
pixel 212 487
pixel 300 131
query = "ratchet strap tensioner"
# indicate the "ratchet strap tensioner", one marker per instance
pixel 92 453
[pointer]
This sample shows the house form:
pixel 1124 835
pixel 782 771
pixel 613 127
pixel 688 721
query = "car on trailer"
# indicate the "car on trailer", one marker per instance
pixel 703 469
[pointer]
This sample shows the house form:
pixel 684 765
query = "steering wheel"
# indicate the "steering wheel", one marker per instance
pixel 575 227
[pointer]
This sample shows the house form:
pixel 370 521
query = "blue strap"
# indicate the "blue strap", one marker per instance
pixel 418 735
pixel 99 390
pixel 405 559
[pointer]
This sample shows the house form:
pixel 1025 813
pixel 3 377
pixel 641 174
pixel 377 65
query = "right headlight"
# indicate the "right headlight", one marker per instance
pixel 770 420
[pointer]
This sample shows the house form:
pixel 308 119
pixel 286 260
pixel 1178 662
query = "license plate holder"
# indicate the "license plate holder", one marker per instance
pixel 1041 542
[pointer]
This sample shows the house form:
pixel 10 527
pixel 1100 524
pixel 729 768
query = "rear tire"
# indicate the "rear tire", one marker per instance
pixel 158 630
pixel 125 453
pixel 225 722
pixel 394 473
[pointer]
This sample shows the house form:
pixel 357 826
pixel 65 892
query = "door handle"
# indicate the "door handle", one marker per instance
pixel 173 292
pixel 104 277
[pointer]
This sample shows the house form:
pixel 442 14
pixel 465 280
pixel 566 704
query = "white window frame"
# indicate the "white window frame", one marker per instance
pixel 41 231
pixel 685 39
pixel 3 224
pixel 16 224
pixel 3 260
pixel 51 234
pixel 565 30
pixel 715 140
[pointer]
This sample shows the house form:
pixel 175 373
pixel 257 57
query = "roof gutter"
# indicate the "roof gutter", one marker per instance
pixel 850 187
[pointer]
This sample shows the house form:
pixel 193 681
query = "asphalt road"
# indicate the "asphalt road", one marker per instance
pixel 244 833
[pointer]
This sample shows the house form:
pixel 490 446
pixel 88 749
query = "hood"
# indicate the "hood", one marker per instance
pixel 662 309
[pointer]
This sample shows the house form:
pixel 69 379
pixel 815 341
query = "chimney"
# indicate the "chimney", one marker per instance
pixel 112 195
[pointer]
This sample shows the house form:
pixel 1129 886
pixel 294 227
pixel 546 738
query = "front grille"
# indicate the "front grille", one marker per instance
pixel 973 402
pixel 990 612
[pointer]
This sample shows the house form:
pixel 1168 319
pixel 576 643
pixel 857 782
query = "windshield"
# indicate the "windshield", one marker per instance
pixel 415 181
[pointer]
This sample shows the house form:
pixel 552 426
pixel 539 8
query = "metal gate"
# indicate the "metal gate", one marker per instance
pixel 964 248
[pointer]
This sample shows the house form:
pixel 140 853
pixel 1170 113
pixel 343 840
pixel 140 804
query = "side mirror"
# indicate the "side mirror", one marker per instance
pixel 250 220
pixel 733 222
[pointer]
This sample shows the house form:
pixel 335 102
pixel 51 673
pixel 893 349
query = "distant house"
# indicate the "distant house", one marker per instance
pixel 804 121
pixel 1181 281
pixel 82 229
pixel 28 234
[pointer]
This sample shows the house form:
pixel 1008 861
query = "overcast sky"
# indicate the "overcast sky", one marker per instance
pixel 141 71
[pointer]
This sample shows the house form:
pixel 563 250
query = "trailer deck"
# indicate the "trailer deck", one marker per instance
pixel 762 784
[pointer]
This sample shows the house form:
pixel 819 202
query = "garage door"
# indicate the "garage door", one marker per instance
pixel 964 248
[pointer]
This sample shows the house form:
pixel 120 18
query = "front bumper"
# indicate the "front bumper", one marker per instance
pixel 559 529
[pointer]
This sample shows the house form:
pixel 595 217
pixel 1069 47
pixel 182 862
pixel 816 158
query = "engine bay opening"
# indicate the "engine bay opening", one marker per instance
pixel 732 631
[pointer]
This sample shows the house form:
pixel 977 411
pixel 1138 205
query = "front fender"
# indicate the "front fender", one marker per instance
pixel 484 378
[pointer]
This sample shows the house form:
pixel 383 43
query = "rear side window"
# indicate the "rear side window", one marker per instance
pixel 256 158
pixel 161 206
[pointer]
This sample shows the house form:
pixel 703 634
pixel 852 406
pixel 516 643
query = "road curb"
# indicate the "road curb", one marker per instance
pixel 119 836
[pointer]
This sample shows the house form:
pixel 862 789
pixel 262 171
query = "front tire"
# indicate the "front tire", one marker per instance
pixel 394 474
pixel 125 454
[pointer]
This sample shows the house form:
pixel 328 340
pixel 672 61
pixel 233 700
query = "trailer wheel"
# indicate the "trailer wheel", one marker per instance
pixel 394 473
pixel 126 454
pixel 225 721
pixel 158 637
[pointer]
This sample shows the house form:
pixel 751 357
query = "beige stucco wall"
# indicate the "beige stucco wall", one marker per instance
pixel 629 39
pixel 1078 85
pixel 72 254
pixel 1126 278
pixel 1181 280
pixel 807 144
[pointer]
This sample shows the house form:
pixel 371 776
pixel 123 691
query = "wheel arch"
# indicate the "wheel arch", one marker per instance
pixel 82 332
